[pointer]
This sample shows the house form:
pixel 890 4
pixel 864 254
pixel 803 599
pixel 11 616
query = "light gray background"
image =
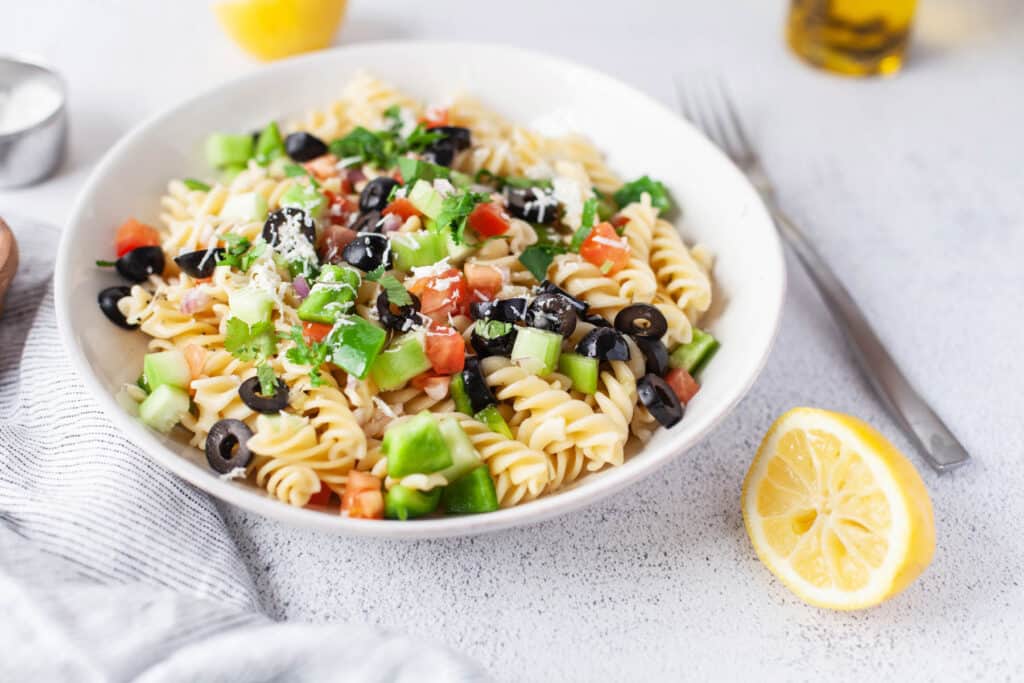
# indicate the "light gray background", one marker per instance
pixel 912 187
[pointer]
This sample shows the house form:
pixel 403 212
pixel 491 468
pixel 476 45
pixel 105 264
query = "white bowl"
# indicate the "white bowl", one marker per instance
pixel 639 135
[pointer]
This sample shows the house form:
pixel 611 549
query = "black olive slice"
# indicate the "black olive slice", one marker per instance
pixel 603 343
pixel 460 138
pixel 288 219
pixel 655 355
pixel 532 204
pixel 502 310
pixel 367 222
pixel 659 399
pixel 226 445
pixel 398 318
pixel 249 393
pixel 547 287
pixel 493 338
pixel 108 299
pixel 199 264
pixel 642 320
pixel 139 263
pixel 480 395
pixel 597 321
pixel 368 251
pixel 374 196
pixel 552 312
pixel 304 146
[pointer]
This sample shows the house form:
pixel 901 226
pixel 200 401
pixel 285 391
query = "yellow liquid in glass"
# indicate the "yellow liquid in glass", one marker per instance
pixel 851 37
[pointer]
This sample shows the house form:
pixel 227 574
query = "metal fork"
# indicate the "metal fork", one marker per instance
pixel 714 114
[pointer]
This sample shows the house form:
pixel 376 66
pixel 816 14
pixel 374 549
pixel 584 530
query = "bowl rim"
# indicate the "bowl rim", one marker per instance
pixel 255 501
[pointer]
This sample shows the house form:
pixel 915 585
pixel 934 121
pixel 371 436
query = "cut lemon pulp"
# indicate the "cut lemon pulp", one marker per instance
pixel 835 511
pixel 271 29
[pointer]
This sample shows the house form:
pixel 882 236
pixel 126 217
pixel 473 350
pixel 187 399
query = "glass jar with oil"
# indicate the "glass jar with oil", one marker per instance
pixel 851 37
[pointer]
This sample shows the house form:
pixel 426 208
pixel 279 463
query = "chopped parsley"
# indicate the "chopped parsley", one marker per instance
pixel 383 148
pixel 586 224
pixel 313 355
pixel 375 274
pixel 268 381
pixel 538 257
pixel 193 184
pixel 240 252
pixel 106 264
pixel 632 191
pixel 396 292
pixel 455 210
pixel 250 342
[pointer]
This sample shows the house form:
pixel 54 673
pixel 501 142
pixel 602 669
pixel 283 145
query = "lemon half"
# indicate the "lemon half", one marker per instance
pixel 271 29
pixel 836 512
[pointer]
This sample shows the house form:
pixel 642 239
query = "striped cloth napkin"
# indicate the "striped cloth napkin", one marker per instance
pixel 112 569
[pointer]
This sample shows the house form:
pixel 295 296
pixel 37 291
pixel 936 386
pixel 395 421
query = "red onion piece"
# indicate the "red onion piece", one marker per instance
pixel 354 175
pixel 301 286
pixel 391 222
pixel 195 300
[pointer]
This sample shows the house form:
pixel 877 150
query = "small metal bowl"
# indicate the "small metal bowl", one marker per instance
pixel 32 153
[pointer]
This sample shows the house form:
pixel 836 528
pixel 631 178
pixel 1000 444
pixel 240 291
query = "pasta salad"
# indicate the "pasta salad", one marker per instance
pixel 397 310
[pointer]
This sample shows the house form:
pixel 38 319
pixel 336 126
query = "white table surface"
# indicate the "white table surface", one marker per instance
pixel 912 187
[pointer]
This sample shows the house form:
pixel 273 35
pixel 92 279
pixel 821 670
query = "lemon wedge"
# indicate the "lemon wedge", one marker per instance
pixel 271 29
pixel 836 512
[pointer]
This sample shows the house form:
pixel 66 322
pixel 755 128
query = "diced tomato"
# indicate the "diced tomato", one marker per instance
pixel 322 497
pixel 333 242
pixel 619 221
pixel 605 249
pixel 401 207
pixel 132 235
pixel 446 349
pixel 489 220
pixel 323 167
pixel 362 497
pixel 367 505
pixel 433 385
pixel 339 207
pixel 484 282
pixel 434 117
pixel 195 356
pixel 316 332
pixel 684 385
pixel 442 295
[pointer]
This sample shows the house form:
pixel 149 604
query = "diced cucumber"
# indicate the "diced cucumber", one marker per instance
pixel 696 354
pixel 461 180
pixel 426 199
pixel 402 502
pixel 249 207
pixel 413 170
pixel 223 150
pixel 415 446
pixel 473 493
pixel 494 421
pixel 418 249
pixel 250 305
pixel 536 350
pixel 269 145
pixel 581 370
pixel 232 170
pixel 457 253
pixel 356 344
pixel 305 197
pixel 457 388
pixel 166 367
pixel 464 456
pixel 402 361
pixel 164 408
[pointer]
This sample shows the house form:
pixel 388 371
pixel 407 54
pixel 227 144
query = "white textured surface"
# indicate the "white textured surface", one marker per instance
pixel 912 188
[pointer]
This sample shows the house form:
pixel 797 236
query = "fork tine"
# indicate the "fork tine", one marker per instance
pixel 698 110
pixel 742 142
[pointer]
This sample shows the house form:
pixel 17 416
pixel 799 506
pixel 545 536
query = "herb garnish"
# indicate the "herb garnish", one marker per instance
pixel 250 342
pixel 193 184
pixel 313 355
pixel 634 190
pixel 240 252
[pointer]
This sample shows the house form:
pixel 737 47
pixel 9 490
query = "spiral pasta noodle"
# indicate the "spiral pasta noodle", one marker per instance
pixel 681 277
pixel 585 281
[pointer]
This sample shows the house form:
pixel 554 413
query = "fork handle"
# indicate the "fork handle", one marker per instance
pixel 933 439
